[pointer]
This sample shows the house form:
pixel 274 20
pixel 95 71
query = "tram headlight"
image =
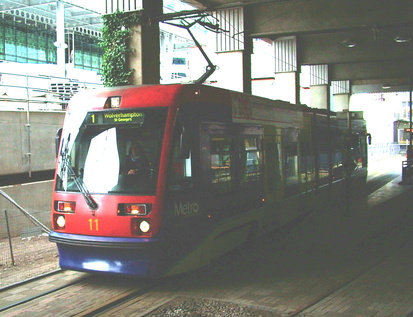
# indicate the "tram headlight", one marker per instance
pixel 145 226
pixel 59 222
pixel 141 227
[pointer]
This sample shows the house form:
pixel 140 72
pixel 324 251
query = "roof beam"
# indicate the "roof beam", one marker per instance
pixel 324 16
pixel 371 70
pixel 370 45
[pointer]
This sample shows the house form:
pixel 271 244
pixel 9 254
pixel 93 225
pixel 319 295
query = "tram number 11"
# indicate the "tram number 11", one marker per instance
pixel 93 224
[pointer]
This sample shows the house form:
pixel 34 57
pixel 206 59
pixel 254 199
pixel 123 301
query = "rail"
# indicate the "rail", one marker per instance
pixel 379 151
pixel 38 92
pixel 28 93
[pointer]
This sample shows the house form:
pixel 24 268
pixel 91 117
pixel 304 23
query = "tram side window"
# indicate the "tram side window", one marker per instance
pixel 363 151
pixel 307 169
pixel 357 149
pixel 252 159
pixel 220 163
pixel 323 156
pixel 291 164
pixel 291 161
pixel 337 158
pixel 180 174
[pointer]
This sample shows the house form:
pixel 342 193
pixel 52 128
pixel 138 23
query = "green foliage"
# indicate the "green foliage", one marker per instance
pixel 115 37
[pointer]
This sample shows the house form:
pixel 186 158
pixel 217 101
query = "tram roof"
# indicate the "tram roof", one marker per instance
pixel 164 95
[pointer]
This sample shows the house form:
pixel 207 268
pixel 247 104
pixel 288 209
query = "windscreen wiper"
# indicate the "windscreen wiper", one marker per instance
pixel 78 181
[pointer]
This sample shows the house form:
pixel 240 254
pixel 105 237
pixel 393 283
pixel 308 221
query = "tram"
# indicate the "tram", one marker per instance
pixel 159 180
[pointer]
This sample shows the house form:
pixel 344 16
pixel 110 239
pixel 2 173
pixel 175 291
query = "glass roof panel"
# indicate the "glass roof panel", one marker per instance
pixel 44 11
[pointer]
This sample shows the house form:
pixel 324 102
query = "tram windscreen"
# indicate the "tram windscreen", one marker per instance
pixel 111 151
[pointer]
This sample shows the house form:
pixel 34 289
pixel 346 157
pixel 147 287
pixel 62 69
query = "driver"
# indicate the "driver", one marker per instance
pixel 136 161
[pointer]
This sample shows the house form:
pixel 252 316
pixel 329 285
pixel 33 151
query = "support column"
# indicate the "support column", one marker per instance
pixel 60 38
pixel 246 71
pixel 298 85
pixel 145 56
pixel 246 56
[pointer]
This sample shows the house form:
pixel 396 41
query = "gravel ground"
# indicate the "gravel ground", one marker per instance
pixel 193 307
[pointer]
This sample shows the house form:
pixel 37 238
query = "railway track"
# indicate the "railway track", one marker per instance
pixel 10 289
pixel 71 294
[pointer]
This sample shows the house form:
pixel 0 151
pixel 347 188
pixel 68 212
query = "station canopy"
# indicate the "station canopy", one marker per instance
pixel 44 11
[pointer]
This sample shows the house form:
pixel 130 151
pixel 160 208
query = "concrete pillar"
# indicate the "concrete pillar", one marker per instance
pixel 341 102
pixel 246 55
pixel 145 56
pixel 246 70
pixel 285 86
pixel 320 96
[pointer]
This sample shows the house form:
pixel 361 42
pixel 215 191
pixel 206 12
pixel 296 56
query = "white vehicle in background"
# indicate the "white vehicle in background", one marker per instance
pixel 176 70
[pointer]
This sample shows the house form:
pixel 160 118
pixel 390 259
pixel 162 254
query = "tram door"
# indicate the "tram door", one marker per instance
pixel 183 219
pixel 273 180
pixel 218 165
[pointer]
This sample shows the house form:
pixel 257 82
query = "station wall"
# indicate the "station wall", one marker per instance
pixel 17 140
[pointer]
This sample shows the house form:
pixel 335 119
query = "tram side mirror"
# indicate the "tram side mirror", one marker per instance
pixel 184 147
pixel 368 138
pixel 57 140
